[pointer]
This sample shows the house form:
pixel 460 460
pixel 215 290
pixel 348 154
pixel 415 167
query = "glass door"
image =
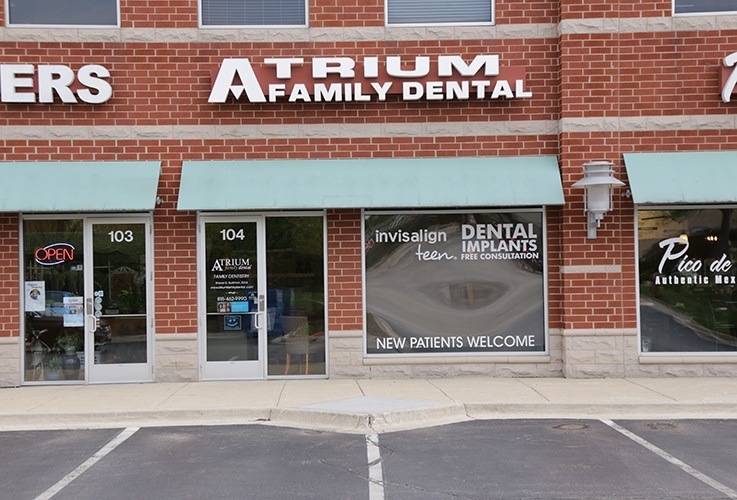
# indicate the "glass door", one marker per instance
pixel 232 297
pixel 118 301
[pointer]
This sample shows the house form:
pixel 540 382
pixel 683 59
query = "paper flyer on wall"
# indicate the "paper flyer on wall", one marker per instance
pixel 35 296
pixel 73 311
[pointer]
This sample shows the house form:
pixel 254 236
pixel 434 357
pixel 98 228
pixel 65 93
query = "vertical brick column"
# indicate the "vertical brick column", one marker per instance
pixel 10 304
pixel 175 282
pixel 597 275
pixel 345 295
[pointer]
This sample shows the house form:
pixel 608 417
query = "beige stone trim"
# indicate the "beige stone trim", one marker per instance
pixel 166 337
pixel 646 24
pixel 380 33
pixel 424 129
pixel 600 332
pixel 649 123
pixel 279 35
pixel 345 334
pixel 156 132
pixel 9 340
pixel 452 360
pixel 686 360
pixel 590 269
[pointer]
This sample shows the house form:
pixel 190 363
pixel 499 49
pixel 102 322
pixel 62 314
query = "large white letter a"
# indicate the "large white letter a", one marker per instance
pixel 229 69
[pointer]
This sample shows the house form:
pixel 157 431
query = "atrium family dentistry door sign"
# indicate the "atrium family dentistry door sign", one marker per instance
pixel 371 78
pixel 454 283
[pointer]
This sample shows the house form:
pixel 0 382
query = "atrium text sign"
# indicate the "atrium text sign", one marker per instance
pixel 47 83
pixel 371 78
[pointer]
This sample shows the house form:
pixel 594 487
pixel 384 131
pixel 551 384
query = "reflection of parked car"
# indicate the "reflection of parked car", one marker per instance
pixel 51 319
pixel 54 303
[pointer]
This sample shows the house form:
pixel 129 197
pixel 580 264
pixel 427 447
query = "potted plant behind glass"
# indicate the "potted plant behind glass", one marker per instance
pixel 52 368
pixel 70 363
pixel 69 342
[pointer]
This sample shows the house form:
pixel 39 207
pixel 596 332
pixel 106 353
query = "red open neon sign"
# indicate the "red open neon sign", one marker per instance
pixel 54 254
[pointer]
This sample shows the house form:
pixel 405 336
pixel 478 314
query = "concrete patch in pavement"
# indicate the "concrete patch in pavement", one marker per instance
pixel 369 414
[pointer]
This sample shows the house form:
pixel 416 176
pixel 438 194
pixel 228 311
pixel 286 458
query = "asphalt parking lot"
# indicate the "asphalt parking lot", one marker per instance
pixel 470 460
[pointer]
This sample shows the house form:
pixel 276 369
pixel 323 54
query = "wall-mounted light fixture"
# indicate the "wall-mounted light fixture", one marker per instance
pixel 598 181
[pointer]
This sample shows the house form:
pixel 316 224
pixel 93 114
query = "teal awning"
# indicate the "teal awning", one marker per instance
pixel 78 186
pixel 667 178
pixel 370 183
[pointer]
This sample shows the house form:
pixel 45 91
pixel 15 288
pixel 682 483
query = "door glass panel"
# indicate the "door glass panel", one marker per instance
pixel 231 296
pixel 295 295
pixel 119 259
pixel 53 299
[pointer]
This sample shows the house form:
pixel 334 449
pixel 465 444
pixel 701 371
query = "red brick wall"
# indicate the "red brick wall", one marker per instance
pixel 572 77
pixel 345 292
pixel 593 9
pixel 10 306
pixel 626 75
pixel 169 83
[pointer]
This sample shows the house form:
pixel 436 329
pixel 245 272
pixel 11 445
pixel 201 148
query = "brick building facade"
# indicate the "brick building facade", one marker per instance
pixel 605 80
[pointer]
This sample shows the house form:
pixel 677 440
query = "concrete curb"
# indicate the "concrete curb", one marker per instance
pixel 363 422
pixel 484 411
pixel 144 418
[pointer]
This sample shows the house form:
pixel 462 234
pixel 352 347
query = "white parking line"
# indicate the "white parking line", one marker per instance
pixel 114 443
pixel 376 470
pixel 670 458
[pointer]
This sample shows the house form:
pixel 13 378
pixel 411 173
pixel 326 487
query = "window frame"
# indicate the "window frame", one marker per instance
pixel 654 355
pixel 201 25
pixel 705 13
pixel 8 24
pixel 491 355
pixel 492 5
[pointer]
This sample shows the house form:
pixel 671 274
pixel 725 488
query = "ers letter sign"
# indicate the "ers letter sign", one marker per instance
pixel 345 79
pixel 27 83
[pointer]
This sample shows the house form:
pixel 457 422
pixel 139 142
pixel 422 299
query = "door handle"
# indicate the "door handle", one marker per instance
pixel 91 315
pixel 259 311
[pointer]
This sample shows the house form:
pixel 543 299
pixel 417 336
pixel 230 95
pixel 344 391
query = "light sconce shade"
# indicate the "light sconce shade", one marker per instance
pixel 598 181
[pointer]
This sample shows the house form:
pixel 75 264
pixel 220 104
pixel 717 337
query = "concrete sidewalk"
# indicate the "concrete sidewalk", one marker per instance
pixel 375 405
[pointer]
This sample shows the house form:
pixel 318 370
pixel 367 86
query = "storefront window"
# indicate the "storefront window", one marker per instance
pixel 232 298
pixel 295 295
pixel 688 288
pixel 85 299
pixel 454 283
pixel 53 299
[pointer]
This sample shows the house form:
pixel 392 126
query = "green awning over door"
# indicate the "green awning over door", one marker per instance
pixel 370 183
pixel 78 186
pixel 682 178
